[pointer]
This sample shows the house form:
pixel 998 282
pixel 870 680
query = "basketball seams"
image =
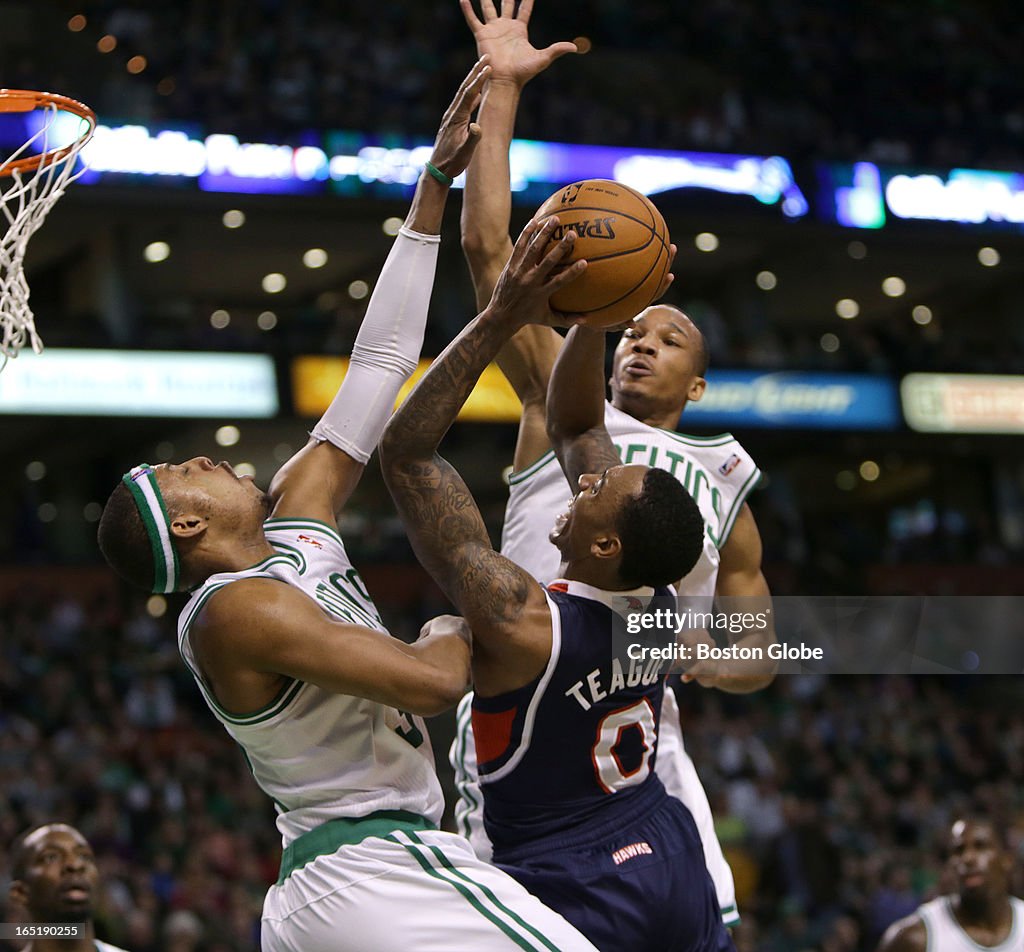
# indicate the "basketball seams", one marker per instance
pixel 652 234
pixel 627 274
pixel 633 290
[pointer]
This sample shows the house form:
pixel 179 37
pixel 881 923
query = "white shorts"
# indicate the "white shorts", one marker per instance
pixel 673 766
pixel 409 891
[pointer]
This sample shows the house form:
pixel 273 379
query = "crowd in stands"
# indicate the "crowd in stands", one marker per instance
pixel 832 795
pixel 900 82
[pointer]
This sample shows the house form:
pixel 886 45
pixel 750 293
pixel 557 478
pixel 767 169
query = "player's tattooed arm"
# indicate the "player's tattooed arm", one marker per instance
pixel 440 514
pixel 575 406
pixel 520 297
pixel 451 541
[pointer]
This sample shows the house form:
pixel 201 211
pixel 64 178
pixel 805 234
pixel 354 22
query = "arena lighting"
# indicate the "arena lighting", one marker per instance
pixel 847 308
pixel 963 403
pixel 796 400
pixel 349 160
pixel 860 203
pixel 966 195
pixel 861 194
pixel 140 383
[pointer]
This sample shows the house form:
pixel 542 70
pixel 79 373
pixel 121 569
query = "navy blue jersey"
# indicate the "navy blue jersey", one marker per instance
pixel 576 747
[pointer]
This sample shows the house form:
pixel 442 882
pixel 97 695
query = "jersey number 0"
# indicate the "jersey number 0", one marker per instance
pixel 611 775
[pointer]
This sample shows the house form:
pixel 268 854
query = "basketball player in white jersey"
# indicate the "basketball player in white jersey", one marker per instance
pixel 54 880
pixel 981 914
pixel 291 656
pixel 659 367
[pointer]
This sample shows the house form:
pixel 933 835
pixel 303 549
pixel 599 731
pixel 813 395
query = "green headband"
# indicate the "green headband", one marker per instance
pixel 141 482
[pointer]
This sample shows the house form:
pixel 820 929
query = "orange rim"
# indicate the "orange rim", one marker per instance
pixel 26 100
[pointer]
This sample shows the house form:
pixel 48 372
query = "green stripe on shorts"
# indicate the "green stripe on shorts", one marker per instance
pixel 519 940
pixel 487 892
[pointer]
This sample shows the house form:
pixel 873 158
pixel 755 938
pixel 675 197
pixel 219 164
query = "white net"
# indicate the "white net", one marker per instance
pixel 26 197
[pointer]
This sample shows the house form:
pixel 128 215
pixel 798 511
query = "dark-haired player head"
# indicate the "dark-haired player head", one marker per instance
pixel 54 880
pixel 981 913
pixel 659 366
pixel 170 526
pixel 629 526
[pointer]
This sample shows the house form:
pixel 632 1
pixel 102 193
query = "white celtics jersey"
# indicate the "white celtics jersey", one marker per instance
pixel 320 755
pixel 716 471
pixel 945 934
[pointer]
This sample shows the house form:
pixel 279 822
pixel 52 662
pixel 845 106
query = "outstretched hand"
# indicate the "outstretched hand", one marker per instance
pixel 459 135
pixel 504 38
pixel 534 272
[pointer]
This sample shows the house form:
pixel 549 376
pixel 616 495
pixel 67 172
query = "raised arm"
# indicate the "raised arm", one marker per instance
pixel 575 406
pixel 317 482
pixel 527 359
pixel 503 605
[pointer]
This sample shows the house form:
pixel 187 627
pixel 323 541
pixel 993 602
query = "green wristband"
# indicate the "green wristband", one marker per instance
pixel 438 174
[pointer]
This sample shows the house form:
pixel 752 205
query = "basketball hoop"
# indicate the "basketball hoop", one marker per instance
pixel 32 179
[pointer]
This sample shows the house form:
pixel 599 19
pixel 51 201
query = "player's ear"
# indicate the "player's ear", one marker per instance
pixel 697 387
pixel 17 895
pixel 188 525
pixel 606 546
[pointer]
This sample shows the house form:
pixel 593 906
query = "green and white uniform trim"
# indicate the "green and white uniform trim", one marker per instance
pixel 142 484
pixel 716 471
pixel 318 755
pixel 483 899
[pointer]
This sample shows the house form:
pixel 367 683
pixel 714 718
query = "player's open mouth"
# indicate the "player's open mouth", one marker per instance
pixel 76 893
pixel 638 368
pixel 972 880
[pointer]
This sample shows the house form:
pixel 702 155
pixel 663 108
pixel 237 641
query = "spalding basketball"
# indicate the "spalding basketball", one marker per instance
pixel 626 244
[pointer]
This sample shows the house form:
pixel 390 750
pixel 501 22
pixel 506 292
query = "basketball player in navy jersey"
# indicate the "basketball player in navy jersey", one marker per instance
pixel 565 722
pixel 659 368
pixel 981 914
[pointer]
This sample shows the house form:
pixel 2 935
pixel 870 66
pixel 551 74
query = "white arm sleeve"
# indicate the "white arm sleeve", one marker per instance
pixel 386 350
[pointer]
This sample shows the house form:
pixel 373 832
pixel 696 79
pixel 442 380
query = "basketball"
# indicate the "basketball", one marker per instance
pixel 626 244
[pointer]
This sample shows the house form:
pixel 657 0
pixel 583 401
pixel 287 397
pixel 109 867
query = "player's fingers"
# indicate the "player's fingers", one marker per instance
pixel 525 9
pixel 702 672
pixel 555 50
pixel 525 241
pixel 472 90
pixel 508 8
pixel 565 276
pixel 538 251
pixel 470 86
pixel 472 20
pixel 555 253
pixel 666 282
pixel 487 9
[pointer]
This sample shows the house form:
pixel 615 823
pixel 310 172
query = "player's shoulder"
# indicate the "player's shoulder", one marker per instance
pixel 909 934
pixel 294 536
